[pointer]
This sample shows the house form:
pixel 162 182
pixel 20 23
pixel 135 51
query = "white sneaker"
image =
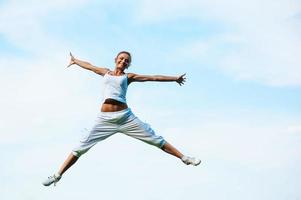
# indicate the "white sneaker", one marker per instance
pixel 190 160
pixel 52 179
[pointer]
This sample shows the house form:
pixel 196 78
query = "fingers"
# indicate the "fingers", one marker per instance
pixel 69 65
pixel 71 61
pixel 181 79
pixel 181 82
pixel 182 76
pixel 72 57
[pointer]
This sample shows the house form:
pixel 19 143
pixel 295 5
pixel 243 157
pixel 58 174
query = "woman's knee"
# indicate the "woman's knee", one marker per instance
pixel 79 153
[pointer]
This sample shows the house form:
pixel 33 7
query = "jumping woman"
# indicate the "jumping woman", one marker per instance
pixel 115 116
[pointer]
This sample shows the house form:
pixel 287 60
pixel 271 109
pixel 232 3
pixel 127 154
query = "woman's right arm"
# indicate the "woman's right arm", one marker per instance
pixel 98 70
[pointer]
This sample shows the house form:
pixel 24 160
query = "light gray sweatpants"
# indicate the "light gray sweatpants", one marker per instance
pixel 109 123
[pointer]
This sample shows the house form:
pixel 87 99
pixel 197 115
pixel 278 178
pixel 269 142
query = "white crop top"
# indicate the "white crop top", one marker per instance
pixel 115 87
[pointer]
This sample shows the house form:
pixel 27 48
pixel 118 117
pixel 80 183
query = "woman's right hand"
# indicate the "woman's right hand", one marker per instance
pixel 72 60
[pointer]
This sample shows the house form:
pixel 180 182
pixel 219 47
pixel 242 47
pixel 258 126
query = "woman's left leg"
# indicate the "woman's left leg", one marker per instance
pixel 168 148
pixel 135 128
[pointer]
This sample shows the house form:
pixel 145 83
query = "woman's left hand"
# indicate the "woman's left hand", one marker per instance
pixel 181 79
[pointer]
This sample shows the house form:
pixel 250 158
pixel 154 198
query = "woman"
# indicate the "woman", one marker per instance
pixel 115 116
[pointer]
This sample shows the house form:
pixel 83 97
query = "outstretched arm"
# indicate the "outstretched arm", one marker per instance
pixel 98 70
pixel 141 78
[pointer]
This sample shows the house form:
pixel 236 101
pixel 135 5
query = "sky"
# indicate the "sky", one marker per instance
pixel 239 110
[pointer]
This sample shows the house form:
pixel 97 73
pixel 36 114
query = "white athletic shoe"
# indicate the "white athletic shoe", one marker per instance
pixel 190 160
pixel 52 179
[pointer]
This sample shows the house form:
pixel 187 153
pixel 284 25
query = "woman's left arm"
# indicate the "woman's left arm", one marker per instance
pixel 142 78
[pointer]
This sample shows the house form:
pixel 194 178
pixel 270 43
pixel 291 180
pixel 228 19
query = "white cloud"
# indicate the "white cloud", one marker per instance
pixel 294 129
pixel 23 24
pixel 262 38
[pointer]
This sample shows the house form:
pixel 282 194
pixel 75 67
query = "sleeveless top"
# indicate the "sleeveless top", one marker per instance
pixel 115 87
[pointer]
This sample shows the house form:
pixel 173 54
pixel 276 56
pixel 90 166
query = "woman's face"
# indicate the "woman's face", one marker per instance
pixel 123 61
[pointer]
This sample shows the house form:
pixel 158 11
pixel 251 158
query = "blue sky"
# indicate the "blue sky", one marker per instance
pixel 239 110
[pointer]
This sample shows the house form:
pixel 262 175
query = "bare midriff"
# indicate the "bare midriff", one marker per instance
pixel 112 105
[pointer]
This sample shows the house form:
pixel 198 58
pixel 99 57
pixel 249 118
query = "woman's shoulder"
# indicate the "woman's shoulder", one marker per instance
pixel 130 75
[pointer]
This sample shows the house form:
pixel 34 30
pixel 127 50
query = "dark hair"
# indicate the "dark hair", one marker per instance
pixel 126 52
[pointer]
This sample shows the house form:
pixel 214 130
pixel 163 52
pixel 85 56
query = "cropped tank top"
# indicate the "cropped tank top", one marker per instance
pixel 115 87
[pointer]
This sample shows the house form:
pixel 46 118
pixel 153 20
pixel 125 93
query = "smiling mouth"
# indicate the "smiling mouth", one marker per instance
pixel 123 64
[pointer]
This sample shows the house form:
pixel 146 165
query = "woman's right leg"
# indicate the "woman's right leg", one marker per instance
pixel 68 163
pixel 101 130
pixel 57 176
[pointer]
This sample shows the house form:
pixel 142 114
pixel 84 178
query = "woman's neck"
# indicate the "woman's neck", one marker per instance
pixel 117 72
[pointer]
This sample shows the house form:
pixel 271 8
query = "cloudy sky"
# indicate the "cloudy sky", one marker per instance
pixel 239 110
